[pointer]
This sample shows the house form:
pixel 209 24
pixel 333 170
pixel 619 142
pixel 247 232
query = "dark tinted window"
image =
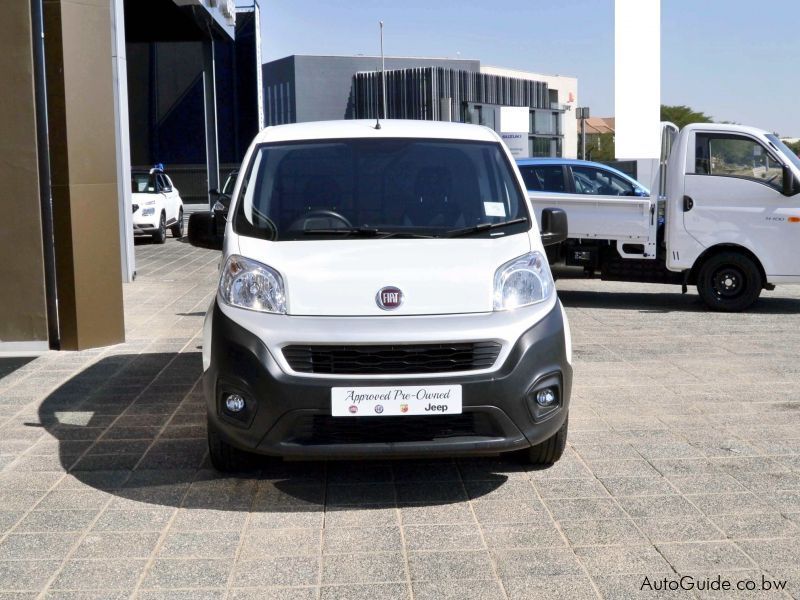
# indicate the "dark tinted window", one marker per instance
pixel 590 180
pixel 544 178
pixel 398 185
pixel 143 183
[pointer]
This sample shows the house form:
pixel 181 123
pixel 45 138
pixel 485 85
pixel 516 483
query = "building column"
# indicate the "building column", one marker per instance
pixel 210 97
pixel 23 321
pixel 83 155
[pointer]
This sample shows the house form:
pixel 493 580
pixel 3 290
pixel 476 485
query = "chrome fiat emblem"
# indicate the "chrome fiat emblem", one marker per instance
pixel 389 298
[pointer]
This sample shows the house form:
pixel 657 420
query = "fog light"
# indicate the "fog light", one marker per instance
pixel 234 403
pixel 546 397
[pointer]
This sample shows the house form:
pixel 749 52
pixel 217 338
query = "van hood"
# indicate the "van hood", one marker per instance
pixel 343 277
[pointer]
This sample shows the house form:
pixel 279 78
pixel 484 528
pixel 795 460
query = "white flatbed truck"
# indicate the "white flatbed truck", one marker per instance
pixel 724 216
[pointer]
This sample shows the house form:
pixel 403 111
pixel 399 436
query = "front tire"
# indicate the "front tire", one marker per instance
pixel 224 457
pixel 177 228
pixel 729 282
pixel 549 451
pixel 160 236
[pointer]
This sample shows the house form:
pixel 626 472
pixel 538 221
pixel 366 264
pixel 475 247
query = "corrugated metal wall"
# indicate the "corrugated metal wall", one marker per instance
pixel 416 93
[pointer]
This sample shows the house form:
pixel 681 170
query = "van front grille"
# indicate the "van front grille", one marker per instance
pixel 392 359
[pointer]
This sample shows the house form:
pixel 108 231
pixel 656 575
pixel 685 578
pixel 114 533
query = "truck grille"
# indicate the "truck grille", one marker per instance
pixel 392 360
pixel 325 430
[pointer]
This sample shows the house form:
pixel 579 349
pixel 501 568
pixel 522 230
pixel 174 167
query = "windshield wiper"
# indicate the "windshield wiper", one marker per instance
pixel 483 227
pixel 364 232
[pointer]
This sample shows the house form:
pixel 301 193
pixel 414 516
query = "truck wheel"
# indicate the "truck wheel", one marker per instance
pixel 224 457
pixel 550 450
pixel 729 282
pixel 160 236
pixel 177 228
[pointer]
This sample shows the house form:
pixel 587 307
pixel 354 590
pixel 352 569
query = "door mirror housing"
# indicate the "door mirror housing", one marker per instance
pixel 554 226
pixel 790 184
pixel 202 232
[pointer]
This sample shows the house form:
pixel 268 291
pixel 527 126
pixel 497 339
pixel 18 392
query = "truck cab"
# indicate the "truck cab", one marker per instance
pixel 726 218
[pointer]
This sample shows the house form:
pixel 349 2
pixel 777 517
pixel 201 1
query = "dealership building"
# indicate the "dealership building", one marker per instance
pixel 90 89
pixel 532 112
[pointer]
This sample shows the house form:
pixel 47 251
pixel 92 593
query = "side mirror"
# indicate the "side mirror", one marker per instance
pixel 554 226
pixel 790 184
pixel 202 232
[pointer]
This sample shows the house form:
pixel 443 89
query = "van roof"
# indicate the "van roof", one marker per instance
pixel 365 128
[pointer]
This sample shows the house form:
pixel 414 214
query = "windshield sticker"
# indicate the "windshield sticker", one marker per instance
pixel 494 209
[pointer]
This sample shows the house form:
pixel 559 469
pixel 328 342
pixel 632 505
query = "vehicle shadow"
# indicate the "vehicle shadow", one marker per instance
pixel 134 426
pixel 666 302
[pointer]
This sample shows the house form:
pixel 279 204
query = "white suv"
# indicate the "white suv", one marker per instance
pixel 157 205
pixel 385 292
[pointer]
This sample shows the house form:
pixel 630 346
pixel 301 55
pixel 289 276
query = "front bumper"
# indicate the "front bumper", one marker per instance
pixel 289 414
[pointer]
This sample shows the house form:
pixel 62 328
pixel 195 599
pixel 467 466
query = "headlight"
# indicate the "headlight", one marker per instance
pixel 522 281
pixel 248 284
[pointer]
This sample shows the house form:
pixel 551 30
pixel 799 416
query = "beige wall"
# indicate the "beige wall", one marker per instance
pixel 80 93
pixel 23 316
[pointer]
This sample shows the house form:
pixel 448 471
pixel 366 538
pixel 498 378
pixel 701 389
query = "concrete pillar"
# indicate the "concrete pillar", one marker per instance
pixel 23 316
pixel 83 152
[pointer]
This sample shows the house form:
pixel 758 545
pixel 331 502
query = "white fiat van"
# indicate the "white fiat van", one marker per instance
pixel 384 291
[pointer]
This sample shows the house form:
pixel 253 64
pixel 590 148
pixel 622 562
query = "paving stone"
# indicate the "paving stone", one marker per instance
pixel 19 575
pixel 442 537
pixel 384 567
pixel 584 508
pixel 605 532
pixel 561 587
pixel 137 519
pixel 361 516
pixel 274 593
pixel 640 507
pixel 372 591
pixel 457 589
pixel 622 559
pixel 199 544
pixel 435 514
pixel 280 542
pixel 110 574
pixel 435 566
pixel 769 554
pixel 679 529
pixel 362 539
pixel 535 562
pixel 277 571
pixel 188 573
pixel 37 545
pixel 522 535
pixel 704 556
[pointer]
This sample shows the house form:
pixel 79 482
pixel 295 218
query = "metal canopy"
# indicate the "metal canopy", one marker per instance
pixel 175 21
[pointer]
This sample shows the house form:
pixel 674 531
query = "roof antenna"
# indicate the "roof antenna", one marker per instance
pixel 383 85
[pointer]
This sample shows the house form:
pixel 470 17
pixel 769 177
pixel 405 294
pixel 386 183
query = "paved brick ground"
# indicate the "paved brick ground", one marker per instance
pixel 684 459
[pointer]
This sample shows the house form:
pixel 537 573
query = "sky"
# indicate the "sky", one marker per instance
pixel 736 60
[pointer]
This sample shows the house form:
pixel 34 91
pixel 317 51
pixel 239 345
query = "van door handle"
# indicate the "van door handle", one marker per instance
pixel 688 203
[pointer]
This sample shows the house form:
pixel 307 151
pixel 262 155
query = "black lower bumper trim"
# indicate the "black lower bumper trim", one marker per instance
pixel 290 415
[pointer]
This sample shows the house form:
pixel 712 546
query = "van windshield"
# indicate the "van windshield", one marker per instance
pixel 336 189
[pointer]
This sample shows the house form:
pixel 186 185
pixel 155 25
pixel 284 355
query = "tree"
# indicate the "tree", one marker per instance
pixel 683 115
pixel 600 147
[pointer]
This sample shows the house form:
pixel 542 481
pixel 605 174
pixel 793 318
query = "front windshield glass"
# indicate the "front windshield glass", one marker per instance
pixel 338 188
pixel 787 152
pixel 143 183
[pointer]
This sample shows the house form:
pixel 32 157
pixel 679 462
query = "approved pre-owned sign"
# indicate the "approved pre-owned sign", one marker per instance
pixel 395 400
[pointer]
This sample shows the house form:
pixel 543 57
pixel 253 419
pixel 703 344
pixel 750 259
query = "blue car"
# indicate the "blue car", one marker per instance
pixel 570 176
